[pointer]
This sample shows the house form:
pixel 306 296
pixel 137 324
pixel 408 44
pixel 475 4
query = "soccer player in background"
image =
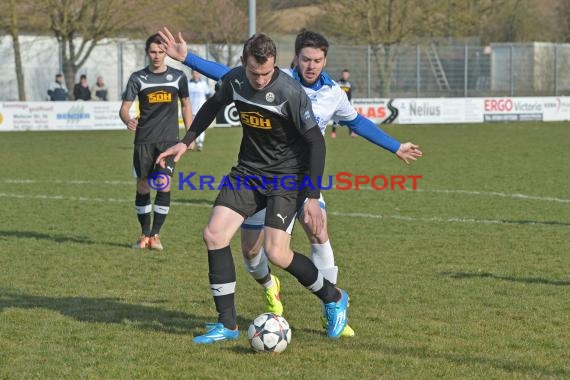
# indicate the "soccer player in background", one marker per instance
pixel 159 88
pixel 199 92
pixel 329 103
pixel 281 139
pixel 346 86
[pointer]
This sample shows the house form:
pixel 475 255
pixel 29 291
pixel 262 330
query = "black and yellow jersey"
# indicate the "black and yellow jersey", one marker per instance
pixel 159 95
pixel 274 120
pixel 346 86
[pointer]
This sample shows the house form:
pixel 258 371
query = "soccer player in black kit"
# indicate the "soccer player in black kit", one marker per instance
pixel 280 138
pixel 159 88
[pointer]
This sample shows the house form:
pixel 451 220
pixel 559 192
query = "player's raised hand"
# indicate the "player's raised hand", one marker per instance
pixel 174 49
pixel 313 216
pixel 177 151
pixel 409 152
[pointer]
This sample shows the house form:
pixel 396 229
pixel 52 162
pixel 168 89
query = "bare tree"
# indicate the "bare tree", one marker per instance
pixel 10 22
pixel 382 24
pixel 494 20
pixel 386 24
pixel 79 25
pixel 221 24
pixel 562 17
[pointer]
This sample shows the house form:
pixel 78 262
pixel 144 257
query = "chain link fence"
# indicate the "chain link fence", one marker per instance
pixel 402 71
pixel 430 70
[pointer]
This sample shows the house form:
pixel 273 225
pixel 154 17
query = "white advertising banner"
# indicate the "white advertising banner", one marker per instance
pixel 526 109
pixel 56 116
pixel 65 116
pixel 433 111
pixel 463 110
pixel 420 110
pixel 380 111
pixel 41 116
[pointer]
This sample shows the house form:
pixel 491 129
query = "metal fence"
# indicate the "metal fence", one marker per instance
pixel 404 71
pixel 534 69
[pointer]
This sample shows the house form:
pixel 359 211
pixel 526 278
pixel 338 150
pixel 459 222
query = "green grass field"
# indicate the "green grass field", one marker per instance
pixel 466 278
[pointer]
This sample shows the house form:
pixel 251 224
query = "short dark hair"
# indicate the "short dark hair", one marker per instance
pixel 154 39
pixel 307 38
pixel 83 76
pixel 345 71
pixel 260 46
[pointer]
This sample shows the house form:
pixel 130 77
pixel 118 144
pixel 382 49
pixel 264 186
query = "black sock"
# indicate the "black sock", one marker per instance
pixel 265 279
pixel 161 208
pixel 222 284
pixel 309 276
pixel 143 207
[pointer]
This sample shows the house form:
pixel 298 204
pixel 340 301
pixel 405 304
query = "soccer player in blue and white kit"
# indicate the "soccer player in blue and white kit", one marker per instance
pixel 199 92
pixel 329 102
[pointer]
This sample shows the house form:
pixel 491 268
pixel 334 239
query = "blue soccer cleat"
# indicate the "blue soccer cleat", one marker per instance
pixel 348 332
pixel 337 315
pixel 217 332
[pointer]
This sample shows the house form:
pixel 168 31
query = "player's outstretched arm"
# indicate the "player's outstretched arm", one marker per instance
pixel 178 50
pixel 204 118
pixel 409 152
pixel 366 128
pixel 174 49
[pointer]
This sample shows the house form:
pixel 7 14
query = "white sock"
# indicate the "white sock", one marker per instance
pixel 269 283
pixel 322 255
pixel 257 267
pixel 323 258
pixel 200 139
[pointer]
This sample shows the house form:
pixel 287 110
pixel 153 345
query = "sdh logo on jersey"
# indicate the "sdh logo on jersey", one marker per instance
pixel 255 120
pixel 159 97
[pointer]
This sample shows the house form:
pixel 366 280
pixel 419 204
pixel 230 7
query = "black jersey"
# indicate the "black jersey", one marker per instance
pixel 159 95
pixel 273 120
pixel 346 86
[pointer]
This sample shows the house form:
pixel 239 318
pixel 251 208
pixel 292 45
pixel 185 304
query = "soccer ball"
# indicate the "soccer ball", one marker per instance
pixel 269 333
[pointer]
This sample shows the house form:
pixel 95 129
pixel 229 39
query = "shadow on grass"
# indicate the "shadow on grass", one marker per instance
pixel 526 280
pixel 536 222
pixel 109 310
pixel 242 350
pixel 57 238
pixel 513 367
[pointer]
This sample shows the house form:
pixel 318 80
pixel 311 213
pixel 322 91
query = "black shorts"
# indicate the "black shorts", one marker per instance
pixel 247 197
pixel 145 155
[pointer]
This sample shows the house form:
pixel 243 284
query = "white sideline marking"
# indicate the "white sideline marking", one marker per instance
pixel 86 199
pixel 68 182
pixel 215 185
pixel 336 213
pixel 443 220
pixel 484 193
pixel 500 194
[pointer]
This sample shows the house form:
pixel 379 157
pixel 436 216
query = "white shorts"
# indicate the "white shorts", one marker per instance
pixel 257 220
